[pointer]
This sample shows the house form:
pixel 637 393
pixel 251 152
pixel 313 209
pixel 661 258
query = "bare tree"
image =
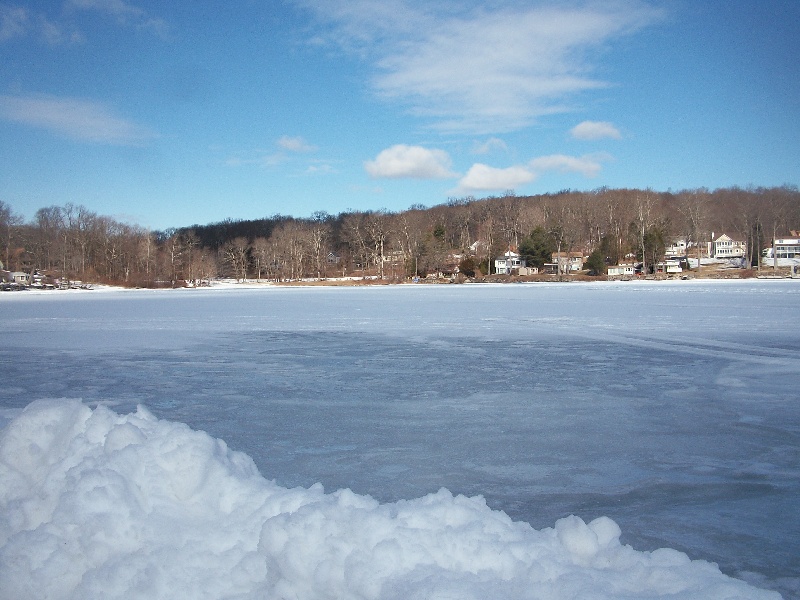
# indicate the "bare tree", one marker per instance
pixel 131 257
pixel 236 256
pixel 744 212
pixel 488 235
pixel 292 241
pixel 8 225
pixel 174 253
pixel 377 228
pixel 206 266
pixel 644 220
pixel 109 237
pixel 563 224
pixel 319 234
pixel 80 222
pixel 408 231
pixel 355 235
pixel 146 252
pixel 615 219
pixel 693 206
pixel 507 215
pixel 261 255
pixel 48 224
pixel 459 221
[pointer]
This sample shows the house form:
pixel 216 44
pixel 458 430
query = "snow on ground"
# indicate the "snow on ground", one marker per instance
pixel 100 505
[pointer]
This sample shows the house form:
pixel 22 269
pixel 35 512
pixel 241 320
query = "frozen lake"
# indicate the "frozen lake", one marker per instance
pixel 670 407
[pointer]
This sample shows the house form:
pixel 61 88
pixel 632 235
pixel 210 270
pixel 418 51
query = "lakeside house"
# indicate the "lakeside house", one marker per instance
pixel 669 266
pixel 20 277
pixel 676 247
pixel 724 246
pixel 621 271
pixel 14 280
pixel 785 252
pixel 508 263
pixel 564 262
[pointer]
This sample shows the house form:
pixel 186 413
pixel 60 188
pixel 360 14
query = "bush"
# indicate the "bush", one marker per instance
pixel 467 266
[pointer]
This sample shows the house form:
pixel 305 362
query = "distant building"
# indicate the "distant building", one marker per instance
pixel 621 271
pixel 669 266
pixel 725 247
pixel 785 252
pixel 677 247
pixel 395 257
pixel 564 262
pixel 508 263
pixel 478 248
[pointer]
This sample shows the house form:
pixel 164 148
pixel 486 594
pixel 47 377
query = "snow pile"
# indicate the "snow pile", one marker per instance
pixel 95 504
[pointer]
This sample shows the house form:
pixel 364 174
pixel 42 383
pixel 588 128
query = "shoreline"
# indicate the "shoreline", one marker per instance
pixel 372 282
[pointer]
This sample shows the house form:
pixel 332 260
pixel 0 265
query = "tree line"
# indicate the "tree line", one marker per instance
pixel 73 243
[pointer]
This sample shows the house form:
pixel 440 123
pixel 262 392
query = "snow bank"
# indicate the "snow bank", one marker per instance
pixel 95 504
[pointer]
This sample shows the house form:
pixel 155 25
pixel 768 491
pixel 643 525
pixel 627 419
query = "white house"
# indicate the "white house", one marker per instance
pixel 478 248
pixel 677 247
pixel 507 263
pixel 785 252
pixel 21 277
pixel 566 262
pixel 669 266
pixel 725 247
pixel 621 271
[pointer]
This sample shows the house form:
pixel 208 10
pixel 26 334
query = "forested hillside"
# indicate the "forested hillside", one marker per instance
pixel 73 242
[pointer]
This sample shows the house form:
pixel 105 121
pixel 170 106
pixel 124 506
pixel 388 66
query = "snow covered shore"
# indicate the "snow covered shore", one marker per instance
pixel 96 504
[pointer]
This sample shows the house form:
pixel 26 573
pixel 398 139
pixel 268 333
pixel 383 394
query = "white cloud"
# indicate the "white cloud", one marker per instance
pixel 588 166
pixel 482 177
pixel 595 130
pixel 359 25
pixel 74 118
pixel 295 144
pixel 124 13
pixel 480 69
pixel 18 22
pixel 413 162
pixel 288 145
pixel 14 22
pixel 490 145
pixel 266 161
pixel 320 169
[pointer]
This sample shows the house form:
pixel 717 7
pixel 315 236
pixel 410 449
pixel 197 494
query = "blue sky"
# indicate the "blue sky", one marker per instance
pixel 181 113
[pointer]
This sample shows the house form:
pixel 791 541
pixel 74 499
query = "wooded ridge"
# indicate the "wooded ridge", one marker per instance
pixel 73 243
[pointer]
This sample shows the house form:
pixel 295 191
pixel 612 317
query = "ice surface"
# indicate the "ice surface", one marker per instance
pixel 670 408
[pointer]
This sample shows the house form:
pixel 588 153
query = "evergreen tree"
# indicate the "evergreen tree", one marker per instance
pixel 537 248
pixel 595 263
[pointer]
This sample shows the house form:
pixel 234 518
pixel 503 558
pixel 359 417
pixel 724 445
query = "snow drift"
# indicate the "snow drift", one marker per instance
pixel 96 504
